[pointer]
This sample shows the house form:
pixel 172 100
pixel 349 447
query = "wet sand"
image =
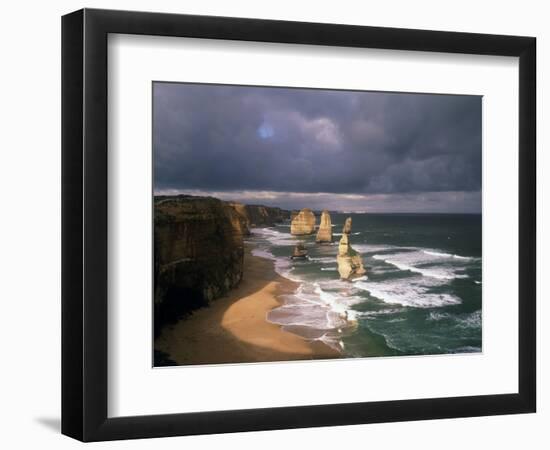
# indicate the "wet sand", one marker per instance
pixel 233 329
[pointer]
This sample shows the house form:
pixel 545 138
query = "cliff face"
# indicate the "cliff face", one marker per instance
pixel 325 228
pixel 350 264
pixel 198 243
pixel 240 209
pixel 260 216
pixel 303 223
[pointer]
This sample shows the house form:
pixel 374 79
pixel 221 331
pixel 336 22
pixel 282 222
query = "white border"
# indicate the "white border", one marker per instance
pixel 135 388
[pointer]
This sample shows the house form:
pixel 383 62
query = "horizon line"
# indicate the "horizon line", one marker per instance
pixel 336 211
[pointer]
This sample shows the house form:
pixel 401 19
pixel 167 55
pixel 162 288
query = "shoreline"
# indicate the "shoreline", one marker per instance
pixel 234 328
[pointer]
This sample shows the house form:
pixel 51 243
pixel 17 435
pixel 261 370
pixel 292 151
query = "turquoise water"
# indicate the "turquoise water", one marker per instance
pixel 421 294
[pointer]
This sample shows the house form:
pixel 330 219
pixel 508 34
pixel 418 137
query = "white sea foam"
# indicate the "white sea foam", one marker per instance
pixel 353 234
pixel 382 269
pixel 323 259
pixel 283 268
pixel 371 248
pixel 447 255
pixel 324 309
pixel 436 316
pixel 422 263
pixel 339 301
pixel 315 306
pixel 263 253
pixel 472 320
pixel 407 292
pixel 274 237
pixel 331 341
pixel 362 278
pixel 466 258
pixel 336 284
pixel 439 254
pixel 282 265
pixel 466 320
pixel 380 312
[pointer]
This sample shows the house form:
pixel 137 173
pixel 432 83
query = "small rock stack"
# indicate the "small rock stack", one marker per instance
pixel 299 252
pixel 350 264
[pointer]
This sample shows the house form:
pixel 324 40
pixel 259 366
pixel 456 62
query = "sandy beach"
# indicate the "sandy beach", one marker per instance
pixel 233 329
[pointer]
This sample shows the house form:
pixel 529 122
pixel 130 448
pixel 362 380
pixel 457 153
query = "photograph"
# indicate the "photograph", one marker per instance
pixel 300 224
pixel 275 225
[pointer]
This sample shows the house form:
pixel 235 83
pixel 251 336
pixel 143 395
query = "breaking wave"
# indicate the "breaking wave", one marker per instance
pixel 407 292
pixel 422 262
pixel 471 320
pixel 402 282
pixel 274 237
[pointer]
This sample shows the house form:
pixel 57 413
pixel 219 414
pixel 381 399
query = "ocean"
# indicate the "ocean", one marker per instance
pixel 421 294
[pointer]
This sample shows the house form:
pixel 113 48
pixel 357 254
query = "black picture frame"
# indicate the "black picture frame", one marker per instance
pixel 84 224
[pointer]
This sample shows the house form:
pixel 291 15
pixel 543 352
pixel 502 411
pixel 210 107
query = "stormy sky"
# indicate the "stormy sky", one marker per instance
pixel 340 150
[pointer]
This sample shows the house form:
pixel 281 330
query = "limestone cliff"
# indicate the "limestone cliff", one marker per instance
pixel 325 228
pixel 240 209
pixel 259 215
pixel 350 264
pixel 198 250
pixel 303 223
pixel 198 253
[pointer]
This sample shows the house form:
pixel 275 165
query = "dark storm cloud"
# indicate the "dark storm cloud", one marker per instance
pixel 229 138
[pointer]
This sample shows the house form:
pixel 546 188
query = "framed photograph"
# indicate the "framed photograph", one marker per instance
pixel 273 224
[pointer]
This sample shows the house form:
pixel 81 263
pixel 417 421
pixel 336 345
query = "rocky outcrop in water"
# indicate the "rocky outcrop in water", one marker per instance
pixel 350 264
pixel 303 223
pixel 198 244
pixel 325 228
pixel 300 251
pixel 347 226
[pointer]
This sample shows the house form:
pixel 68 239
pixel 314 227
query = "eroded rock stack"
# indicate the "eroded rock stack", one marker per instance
pixel 350 264
pixel 325 228
pixel 303 223
pixel 299 252
pixel 347 226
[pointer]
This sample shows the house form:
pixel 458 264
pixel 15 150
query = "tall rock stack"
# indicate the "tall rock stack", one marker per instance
pixel 350 264
pixel 347 226
pixel 325 228
pixel 303 223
